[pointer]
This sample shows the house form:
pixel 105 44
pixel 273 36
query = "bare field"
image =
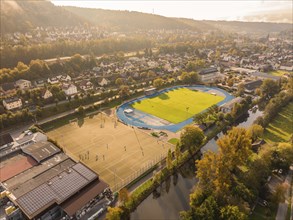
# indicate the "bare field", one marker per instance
pixel 117 153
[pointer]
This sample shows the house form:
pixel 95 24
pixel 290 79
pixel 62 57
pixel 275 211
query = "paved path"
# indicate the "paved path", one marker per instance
pixel 283 207
pixel 291 218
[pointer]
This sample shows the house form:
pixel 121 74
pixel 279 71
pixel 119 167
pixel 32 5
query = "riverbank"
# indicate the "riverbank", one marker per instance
pixel 155 208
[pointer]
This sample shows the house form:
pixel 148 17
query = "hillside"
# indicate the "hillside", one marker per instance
pixel 250 27
pixel 127 20
pixel 237 26
pixel 20 15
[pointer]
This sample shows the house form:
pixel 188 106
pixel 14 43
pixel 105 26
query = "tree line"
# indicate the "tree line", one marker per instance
pixel 230 181
pixel 10 56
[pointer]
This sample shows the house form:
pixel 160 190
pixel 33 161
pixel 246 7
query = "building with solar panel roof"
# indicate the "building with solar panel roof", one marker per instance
pixel 54 187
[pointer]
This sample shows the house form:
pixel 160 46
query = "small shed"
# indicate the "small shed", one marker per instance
pixel 128 111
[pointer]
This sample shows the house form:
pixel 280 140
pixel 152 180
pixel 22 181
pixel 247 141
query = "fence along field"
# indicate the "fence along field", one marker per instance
pixel 117 152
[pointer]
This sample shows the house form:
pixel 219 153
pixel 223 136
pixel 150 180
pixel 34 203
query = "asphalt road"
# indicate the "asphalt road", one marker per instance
pixel 283 207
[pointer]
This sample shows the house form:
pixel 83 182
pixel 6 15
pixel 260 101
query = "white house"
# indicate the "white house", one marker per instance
pixel 62 78
pixel 53 80
pixel 40 83
pixel 103 82
pixel 152 64
pixel 69 89
pixel 287 68
pixel 12 103
pixel 23 84
pixel 209 75
pixel 46 94
pixel 86 85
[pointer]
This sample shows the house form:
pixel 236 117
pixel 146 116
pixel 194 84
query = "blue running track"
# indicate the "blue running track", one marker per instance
pixel 136 121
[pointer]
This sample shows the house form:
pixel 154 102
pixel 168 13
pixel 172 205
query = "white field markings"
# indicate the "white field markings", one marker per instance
pixel 108 165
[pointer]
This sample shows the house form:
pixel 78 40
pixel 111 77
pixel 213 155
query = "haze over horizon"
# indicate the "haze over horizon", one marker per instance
pixel 254 10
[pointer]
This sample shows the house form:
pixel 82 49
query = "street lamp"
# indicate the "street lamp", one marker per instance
pixel 187 108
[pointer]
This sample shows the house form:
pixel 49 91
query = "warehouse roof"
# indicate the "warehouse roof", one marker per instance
pixel 56 190
pixel 41 150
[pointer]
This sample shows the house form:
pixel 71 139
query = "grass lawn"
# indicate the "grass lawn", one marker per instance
pixel 264 213
pixel 173 141
pixel 177 105
pixel 281 128
pixel 278 72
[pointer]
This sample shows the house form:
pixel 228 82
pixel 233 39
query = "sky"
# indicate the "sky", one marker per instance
pixel 196 9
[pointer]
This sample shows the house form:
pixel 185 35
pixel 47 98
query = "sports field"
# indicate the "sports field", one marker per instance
pixel 281 128
pixel 117 152
pixel 177 105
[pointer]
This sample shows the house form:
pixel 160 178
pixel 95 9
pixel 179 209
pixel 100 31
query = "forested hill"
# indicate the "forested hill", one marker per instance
pixel 237 26
pixel 23 15
pixel 250 27
pixel 127 20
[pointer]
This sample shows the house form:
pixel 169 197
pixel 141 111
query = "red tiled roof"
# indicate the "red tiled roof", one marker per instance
pixel 14 167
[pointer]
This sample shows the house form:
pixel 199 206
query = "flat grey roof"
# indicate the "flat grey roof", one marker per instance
pixel 41 150
pixel 265 75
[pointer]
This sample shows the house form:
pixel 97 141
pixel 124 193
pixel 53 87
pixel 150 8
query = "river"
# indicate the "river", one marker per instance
pixel 173 195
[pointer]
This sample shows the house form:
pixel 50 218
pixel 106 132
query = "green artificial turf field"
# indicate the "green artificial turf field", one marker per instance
pixel 177 105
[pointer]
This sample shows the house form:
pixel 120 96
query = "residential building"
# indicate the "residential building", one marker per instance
pixel 86 85
pixel 5 140
pixel 286 68
pixel 46 94
pixel 53 80
pixel 62 78
pixel 40 83
pixel 23 84
pixel 260 75
pixel 251 86
pixel 12 103
pixel 103 82
pixel 69 89
pixel 150 91
pixel 209 75
pixel 8 88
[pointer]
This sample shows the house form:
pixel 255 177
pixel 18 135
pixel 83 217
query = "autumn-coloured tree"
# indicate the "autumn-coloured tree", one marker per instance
pixel 192 136
pixel 169 160
pixel 119 81
pixel 255 131
pixel 158 82
pixel 232 213
pixel 235 147
pixel 123 195
pixel 114 213
pixel 177 152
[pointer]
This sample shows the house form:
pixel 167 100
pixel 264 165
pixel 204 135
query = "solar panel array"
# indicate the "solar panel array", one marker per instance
pixel 58 189
pixel 87 173
pixel 67 184
pixel 36 199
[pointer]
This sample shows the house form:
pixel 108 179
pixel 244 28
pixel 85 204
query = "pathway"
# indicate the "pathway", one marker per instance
pixel 283 207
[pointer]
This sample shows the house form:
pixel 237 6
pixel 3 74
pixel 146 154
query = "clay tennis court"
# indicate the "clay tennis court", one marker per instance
pixel 15 165
pixel 117 152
